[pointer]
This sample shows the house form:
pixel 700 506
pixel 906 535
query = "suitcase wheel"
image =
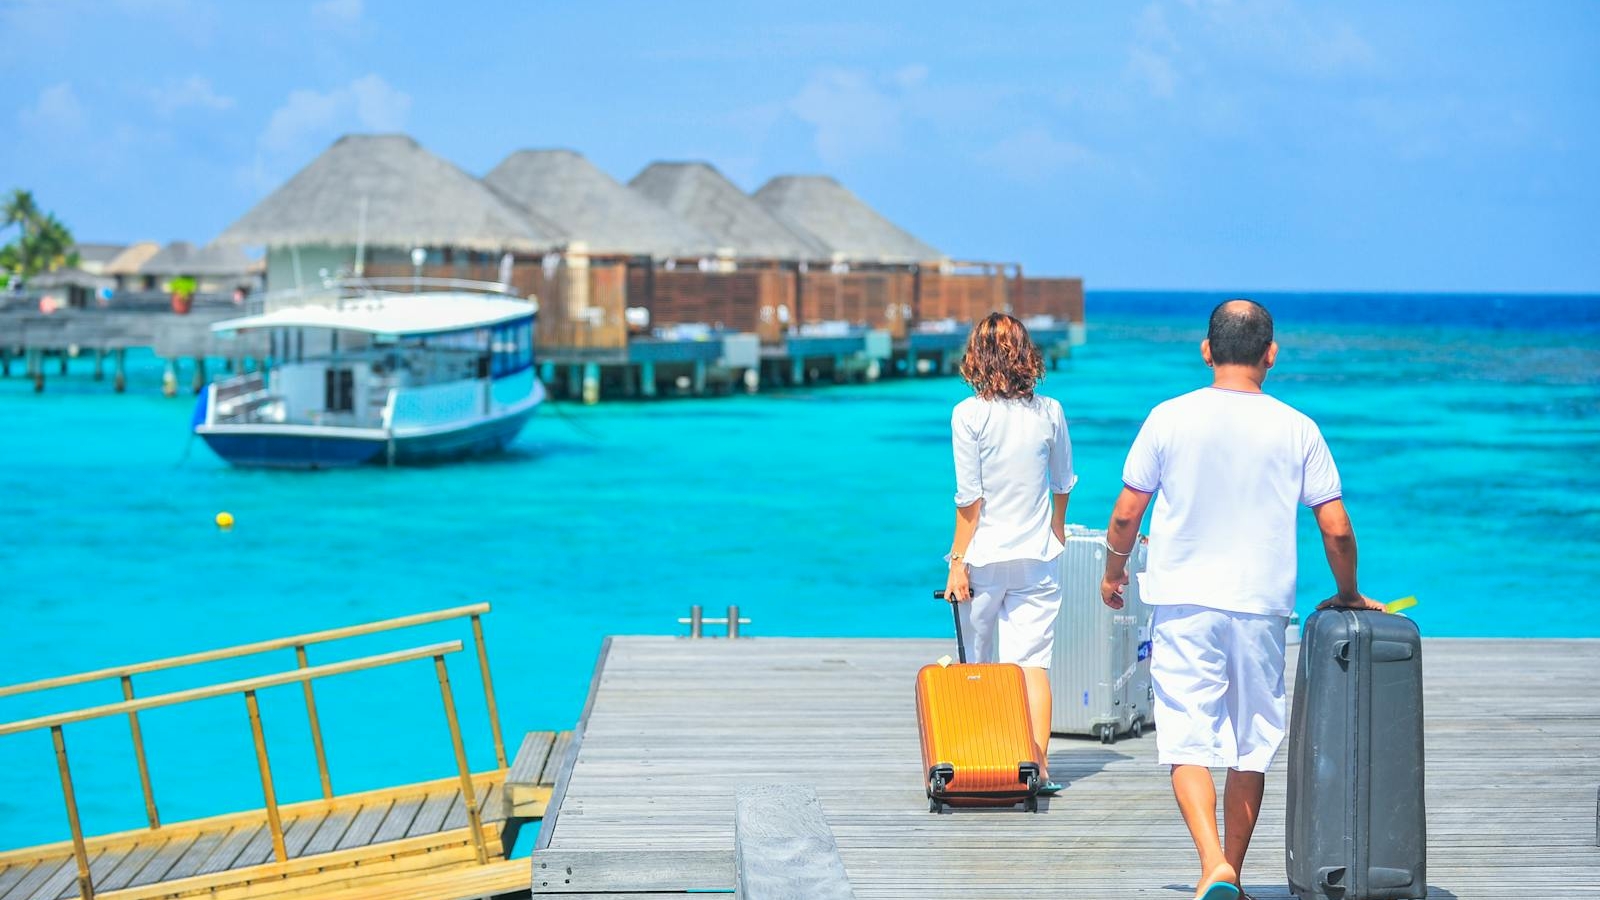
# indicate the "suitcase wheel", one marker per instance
pixel 1031 804
pixel 1108 734
pixel 1137 728
pixel 934 806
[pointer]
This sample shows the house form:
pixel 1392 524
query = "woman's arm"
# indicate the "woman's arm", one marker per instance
pixel 956 588
pixel 1058 515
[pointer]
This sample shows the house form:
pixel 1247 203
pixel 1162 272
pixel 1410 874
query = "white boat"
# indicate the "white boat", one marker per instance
pixel 364 371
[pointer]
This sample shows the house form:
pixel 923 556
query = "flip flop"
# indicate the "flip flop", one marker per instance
pixel 1051 788
pixel 1220 890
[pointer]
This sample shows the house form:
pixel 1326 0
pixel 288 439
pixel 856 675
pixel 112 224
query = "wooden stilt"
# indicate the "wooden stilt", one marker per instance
pixel 119 378
pixel 647 378
pixel 699 377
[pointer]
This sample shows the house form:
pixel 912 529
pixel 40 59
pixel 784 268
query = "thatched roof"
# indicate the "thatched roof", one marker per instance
pixel 413 198
pixel 131 258
pixel 183 258
pixel 701 195
pixel 827 209
pixel 93 257
pixel 592 207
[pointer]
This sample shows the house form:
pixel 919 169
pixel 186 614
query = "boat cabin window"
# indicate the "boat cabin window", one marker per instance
pixel 512 348
pixel 341 391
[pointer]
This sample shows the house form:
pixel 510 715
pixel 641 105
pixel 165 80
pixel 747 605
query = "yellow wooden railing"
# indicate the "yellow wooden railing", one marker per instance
pixel 304 674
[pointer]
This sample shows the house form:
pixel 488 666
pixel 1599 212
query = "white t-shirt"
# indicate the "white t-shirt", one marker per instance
pixel 1012 454
pixel 1230 470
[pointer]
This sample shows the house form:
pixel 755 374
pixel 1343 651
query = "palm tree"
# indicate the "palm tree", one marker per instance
pixel 44 245
pixel 20 209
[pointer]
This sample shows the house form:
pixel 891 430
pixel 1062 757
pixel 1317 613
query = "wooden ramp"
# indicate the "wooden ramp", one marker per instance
pixel 411 841
pixel 674 727
pixel 448 838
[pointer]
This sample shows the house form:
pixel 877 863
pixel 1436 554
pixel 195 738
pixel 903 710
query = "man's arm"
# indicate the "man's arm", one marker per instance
pixel 1121 535
pixel 956 588
pixel 1339 543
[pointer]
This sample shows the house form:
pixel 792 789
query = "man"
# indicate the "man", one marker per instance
pixel 1229 467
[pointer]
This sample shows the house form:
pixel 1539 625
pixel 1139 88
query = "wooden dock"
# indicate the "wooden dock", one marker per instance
pixel 674 727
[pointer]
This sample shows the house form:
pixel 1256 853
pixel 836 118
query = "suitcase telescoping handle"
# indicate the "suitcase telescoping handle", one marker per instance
pixel 955 612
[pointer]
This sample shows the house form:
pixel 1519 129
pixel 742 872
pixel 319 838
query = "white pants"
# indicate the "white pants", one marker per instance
pixel 1218 679
pixel 1012 614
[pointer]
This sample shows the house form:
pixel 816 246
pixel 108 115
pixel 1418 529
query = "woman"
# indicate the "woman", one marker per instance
pixel 1013 476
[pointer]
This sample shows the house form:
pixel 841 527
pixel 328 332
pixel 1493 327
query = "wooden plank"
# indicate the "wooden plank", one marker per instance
pixel 228 849
pixel 329 833
pixel 34 875
pixel 580 871
pixel 162 861
pixel 191 860
pixel 365 825
pixel 64 882
pixel 397 824
pixel 547 825
pixel 452 845
pixel 529 761
pixel 560 750
pixel 130 864
pixel 10 875
pixel 455 884
pixel 783 848
pixel 430 817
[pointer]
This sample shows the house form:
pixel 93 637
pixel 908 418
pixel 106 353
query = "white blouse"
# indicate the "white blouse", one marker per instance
pixel 1011 454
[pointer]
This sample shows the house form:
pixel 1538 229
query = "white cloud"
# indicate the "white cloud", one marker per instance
pixel 310 119
pixel 309 116
pixel 1034 155
pixel 56 109
pixel 1287 36
pixel 852 113
pixel 337 15
pixel 193 92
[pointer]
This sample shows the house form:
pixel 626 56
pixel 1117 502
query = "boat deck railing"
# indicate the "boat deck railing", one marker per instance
pixel 337 292
pixel 303 674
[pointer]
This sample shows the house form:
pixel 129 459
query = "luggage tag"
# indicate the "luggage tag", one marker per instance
pixel 1397 606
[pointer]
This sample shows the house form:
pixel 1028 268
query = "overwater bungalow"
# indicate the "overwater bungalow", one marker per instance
pixel 369 201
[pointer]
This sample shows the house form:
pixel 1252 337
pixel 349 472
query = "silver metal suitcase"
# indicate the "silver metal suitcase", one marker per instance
pixel 1100 668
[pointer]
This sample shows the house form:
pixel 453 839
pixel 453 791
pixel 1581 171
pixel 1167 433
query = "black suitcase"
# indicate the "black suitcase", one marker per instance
pixel 1356 824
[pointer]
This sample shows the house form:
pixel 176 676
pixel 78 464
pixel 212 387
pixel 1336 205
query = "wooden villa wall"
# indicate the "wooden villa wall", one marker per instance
pixel 749 300
pixel 874 299
pixel 744 301
pixel 1058 297
pixel 965 298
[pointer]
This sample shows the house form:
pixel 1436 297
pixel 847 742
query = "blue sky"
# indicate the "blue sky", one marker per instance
pixel 1252 144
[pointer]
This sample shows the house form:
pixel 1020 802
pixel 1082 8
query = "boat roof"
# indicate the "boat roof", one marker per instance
pixel 393 314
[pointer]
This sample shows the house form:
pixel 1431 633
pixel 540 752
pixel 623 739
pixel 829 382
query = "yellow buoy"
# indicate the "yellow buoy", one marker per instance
pixel 225 520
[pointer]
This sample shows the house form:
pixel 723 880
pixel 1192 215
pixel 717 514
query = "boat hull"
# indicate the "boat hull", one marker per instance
pixel 312 447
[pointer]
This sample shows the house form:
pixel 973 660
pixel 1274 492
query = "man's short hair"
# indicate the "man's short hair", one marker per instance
pixel 1240 332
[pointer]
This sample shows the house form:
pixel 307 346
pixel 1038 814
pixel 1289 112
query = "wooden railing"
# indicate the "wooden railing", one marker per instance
pixel 304 674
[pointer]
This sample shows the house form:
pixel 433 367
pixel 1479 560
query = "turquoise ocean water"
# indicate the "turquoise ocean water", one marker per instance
pixel 1466 429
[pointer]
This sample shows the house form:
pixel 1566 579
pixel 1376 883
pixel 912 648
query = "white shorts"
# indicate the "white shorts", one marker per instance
pixel 1012 614
pixel 1218 678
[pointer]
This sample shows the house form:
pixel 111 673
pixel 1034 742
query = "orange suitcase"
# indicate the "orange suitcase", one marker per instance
pixel 977 740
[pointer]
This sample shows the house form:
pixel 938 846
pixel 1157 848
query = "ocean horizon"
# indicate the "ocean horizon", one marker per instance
pixel 1464 427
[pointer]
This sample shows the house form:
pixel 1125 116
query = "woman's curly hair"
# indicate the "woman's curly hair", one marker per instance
pixel 1001 362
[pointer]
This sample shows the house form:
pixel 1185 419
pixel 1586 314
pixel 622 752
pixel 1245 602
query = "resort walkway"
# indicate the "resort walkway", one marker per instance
pixel 675 726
